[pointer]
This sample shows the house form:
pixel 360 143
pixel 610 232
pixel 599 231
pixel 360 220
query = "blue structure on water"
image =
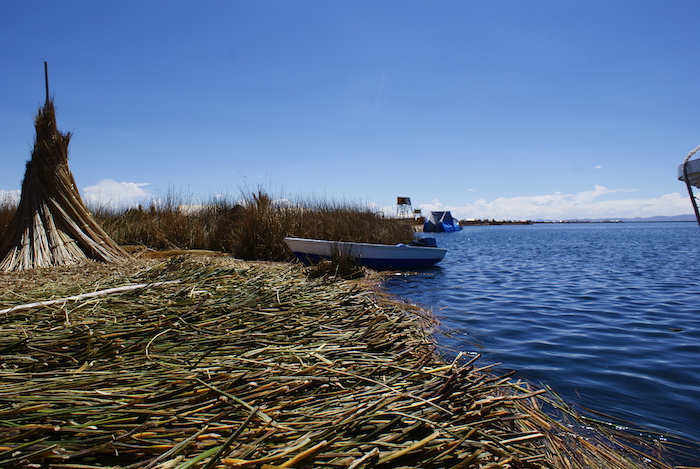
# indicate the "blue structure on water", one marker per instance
pixel 439 222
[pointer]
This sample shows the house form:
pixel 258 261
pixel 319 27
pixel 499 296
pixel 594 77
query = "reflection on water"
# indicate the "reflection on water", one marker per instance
pixel 608 315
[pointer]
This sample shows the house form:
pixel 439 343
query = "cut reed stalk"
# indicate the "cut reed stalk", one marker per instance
pixel 256 365
pixel 51 225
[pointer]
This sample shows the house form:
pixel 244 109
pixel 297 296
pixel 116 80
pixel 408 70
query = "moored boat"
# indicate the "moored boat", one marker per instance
pixel 374 256
pixel 689 172
pixel 693 169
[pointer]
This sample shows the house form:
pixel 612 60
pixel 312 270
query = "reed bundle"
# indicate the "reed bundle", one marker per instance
pixel 254 365
pixel 51 225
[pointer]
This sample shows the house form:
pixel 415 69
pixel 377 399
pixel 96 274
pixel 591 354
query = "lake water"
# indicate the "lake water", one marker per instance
pixel 607 315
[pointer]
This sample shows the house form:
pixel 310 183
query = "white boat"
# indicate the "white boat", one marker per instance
pixel 693 168
pixel 689 172
pixel 374 256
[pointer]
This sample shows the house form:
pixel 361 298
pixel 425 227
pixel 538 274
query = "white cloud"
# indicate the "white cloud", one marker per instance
pixel 283 203
pixel 588 196
pixel 558 206
pixel 597 167
pixel 116 194
pixel 10 197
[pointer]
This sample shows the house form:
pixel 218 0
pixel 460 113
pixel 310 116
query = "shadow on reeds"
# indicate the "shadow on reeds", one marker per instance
pixel 340 265
pixel 252 227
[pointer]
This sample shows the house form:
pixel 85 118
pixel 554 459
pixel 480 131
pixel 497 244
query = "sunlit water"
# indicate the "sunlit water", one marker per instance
pixel 607 315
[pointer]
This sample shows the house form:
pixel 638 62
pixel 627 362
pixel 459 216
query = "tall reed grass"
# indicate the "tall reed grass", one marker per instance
pixel 251 227
pixel 8 206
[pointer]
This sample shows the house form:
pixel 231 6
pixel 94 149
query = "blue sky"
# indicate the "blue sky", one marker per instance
pixel 506 109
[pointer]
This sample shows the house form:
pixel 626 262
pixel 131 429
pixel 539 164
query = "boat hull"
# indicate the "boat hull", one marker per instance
pixel 693 173
pixel 373 256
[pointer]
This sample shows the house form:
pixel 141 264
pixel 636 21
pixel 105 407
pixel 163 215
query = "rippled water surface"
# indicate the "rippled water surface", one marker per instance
pixel 608 315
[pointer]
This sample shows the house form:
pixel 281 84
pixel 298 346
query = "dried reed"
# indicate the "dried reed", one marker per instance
pixel 8 206
pixel 51 225
pixel 254 365
pixel 251 228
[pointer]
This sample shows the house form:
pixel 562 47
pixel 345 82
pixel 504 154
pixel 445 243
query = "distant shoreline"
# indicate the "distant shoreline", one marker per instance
pixel 565 222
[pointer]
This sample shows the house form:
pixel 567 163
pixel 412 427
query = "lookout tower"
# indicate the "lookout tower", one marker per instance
pixel 403 207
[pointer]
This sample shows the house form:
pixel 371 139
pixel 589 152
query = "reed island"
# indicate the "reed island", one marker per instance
pixel 162 338
pixel 196 355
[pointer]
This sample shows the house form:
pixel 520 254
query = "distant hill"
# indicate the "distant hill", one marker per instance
pixel 689 217
pixel 674 218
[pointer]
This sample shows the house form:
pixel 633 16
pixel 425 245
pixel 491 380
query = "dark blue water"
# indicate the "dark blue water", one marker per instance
pixel 607 315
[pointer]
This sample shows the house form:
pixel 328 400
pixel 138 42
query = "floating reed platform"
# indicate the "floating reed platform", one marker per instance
pixel 216 363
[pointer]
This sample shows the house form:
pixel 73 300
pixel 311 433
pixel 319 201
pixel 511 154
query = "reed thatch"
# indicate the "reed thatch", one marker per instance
pixel 52 226
pixel 224 364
